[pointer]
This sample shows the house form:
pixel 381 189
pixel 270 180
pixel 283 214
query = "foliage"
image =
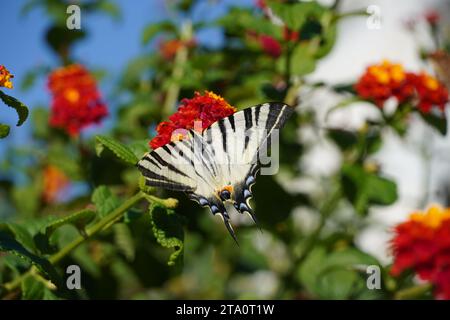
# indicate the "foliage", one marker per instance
pixel 134 241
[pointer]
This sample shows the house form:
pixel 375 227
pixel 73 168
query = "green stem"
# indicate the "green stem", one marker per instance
pixel 413 292
pixel 103 224
pixel 325 212
pixel 178 70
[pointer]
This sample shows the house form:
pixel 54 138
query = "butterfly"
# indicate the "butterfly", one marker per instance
pixel 218 164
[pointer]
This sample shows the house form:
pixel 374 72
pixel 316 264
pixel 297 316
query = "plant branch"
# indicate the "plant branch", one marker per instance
pixel 103 224
pixel 178 70
pixel 412 292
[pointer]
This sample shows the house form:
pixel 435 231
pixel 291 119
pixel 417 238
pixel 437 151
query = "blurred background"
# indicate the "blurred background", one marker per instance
pixel 134 71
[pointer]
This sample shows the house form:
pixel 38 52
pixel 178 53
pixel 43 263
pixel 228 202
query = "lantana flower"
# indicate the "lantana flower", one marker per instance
pixel 55 181
pixel 206 108
pixel 422 245
pixel 5 78
pixel 76 100
pixel 383 81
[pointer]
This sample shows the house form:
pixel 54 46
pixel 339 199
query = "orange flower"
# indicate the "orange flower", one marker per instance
pixel 76 99
pixel 422 244
pixel 5 78
pixel 169 48
pixel 382 81
pixel 206 108
pixel 430 92
pixel 55 181
pixel 385 80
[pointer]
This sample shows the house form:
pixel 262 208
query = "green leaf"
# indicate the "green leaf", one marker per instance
pixel 21 109
pixel 110 8
pixel 364 188
pixel 439 122
pixel 104 200
pixel 78 219
pixel 302 60
pixel 124 240
pixel 4 130
pixel 239 19
pixel 335 275
pixel 168 231
pixel 139 148
pixel 153 29
pixel 343 138
pixel 119 149
pixel 34 289
pixel 296 15
pixel 9 244
pixel 20 233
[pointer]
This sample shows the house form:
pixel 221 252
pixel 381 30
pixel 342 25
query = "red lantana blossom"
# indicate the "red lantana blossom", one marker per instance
pixel 422 244
pixel 76 100
pixel 203 109
pixel 270 45
pixel 430 92
pixel 386 80
pixel 290 35
pixel 432 17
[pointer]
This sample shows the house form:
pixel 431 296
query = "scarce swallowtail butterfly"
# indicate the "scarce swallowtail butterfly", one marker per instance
pixel 220 163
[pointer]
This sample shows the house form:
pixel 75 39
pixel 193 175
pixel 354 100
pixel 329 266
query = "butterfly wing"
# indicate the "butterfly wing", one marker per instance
pixel 238 142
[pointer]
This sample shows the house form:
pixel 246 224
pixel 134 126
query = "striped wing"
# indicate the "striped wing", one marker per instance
pixel 238 141
pixel 219 164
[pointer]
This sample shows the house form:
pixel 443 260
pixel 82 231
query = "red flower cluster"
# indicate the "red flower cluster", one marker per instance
pixel 206 108
pixel 270 45
pixel 432 17
pixel 422 244
pixel 385 80
pixel 430 92
pixel 76 99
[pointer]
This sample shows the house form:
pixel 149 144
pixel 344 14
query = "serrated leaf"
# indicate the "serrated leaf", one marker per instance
pixel 104 200
pixel 9 244
pixel 78 219
pixel 153 29
pixel 4 130
pixel 119 149
pixel 168 231
pixel 21 109
pixel 20 233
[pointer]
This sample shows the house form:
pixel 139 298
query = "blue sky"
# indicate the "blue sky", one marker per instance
pixel 109 46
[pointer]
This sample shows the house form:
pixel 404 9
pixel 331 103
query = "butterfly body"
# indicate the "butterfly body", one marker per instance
pixel 219 164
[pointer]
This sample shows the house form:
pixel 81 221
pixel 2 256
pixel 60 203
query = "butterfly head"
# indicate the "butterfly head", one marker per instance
pixel 225 193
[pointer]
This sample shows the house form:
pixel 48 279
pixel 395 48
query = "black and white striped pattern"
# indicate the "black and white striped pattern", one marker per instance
pixel 225 154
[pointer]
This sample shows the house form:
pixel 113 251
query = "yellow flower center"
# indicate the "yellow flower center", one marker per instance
pixel 387 72
pixel 5 77
pixel 433 218
pixel 431 83
pixel 72 95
